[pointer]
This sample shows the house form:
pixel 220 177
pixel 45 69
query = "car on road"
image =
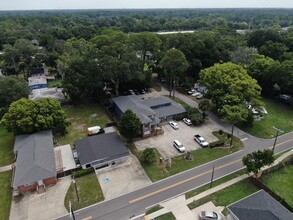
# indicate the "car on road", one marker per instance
pixel 179 146
pixel 187 121
pixel 204 215
pixel 195 94
pixel 174 125
pixel 200 140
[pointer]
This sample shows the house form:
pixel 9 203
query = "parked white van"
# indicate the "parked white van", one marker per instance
pixel 179 146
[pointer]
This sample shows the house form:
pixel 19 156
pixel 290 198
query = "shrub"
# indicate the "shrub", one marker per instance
pixel 221 132
pixel 148 156
pixel 219 143
pixel 83 172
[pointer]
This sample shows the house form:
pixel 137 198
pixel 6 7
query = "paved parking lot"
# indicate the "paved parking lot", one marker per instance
pixel 44 206
pixel 122 178
pixel 164 143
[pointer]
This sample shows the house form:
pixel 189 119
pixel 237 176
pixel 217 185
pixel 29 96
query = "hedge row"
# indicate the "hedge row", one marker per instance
pixel 219 143
pixel 82 172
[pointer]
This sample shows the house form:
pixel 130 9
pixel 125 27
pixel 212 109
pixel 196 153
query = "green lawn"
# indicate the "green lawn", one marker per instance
pixel 167 216
pixel 215 183
pixel 6 147
pixel 158 171
pixel 279 115
pixel 5 194
pixel 81 117
pixel 153 209
pixel 281 183
pixel 228 195
pixel 56 83
pixel 89 192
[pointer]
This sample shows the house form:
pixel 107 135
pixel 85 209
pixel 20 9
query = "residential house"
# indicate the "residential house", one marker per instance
pixel 151 112
pixel 101 150
pixel 34 168
pixel 260 206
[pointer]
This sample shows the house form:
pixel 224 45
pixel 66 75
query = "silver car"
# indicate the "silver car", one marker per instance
pixel 173 125
pixel 204 215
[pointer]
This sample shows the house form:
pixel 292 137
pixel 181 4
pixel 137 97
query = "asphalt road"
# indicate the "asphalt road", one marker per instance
pixel 134 204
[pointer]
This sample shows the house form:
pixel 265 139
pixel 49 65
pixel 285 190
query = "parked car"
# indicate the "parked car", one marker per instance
pixel 191 91
pixel 179 146
pixel 187 121
pixel 195 94
pixel 93 130
pixel 200 140
pixel 173 125
pixel 199 96
pixel 131 92
pixel 204 215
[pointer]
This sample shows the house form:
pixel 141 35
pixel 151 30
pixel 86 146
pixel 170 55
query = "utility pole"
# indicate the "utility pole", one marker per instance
pixel 75 187
pixel 212 176
pixel 277 134
pixel 71 213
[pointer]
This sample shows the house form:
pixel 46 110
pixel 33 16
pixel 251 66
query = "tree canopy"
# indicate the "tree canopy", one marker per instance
pixel 173 63
pixel 28 116
pixel 258 159
pixel 129 125
pixel 11 90
pixel 230 84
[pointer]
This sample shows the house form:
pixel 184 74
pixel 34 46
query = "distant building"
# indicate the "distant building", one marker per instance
pixel 55 93
pixel 37 82
pixel 34 168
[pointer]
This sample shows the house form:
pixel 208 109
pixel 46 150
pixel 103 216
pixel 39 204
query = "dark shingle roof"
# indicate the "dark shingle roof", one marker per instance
pixel 35 158
pixel 101 148
pixel 143 108
pixel 260 206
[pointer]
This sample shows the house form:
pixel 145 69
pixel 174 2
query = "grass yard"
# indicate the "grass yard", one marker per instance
pixel 81 117
pixel 279 115
pixel 154 209
pixel 281 183
pixel 158 171
pixel 5 194
pixel 89 192
pixel 167 216
pixel 6 147
pixel 228 195
pixel 215 183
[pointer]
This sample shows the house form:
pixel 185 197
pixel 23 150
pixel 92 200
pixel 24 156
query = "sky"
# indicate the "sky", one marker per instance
pixel 125 4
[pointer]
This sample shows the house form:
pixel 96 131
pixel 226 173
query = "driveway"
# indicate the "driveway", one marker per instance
pixel 164 142
pixel 123 178
pixel 42 206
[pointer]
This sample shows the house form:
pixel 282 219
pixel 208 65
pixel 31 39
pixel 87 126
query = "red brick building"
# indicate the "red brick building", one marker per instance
pixel 35 167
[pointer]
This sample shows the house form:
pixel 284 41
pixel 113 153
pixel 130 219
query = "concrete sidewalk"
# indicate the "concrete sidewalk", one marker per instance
pixel 178 205
pixel 5 168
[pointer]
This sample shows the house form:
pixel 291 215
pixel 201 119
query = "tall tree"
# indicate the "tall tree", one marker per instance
pixel 243 56
pixel 263 69
pixel 234 114
pixel 145 42
pixel 274 50
pixel 174 63
pixel 118 58
pixel 11 90
pixel 205 105
pixel 80 70
pixel 229 84
pixel 28 116
pixel 129 125
pixel 256 160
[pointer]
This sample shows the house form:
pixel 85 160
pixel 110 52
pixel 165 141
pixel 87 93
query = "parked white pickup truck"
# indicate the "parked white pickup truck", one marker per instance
pixel 200 140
